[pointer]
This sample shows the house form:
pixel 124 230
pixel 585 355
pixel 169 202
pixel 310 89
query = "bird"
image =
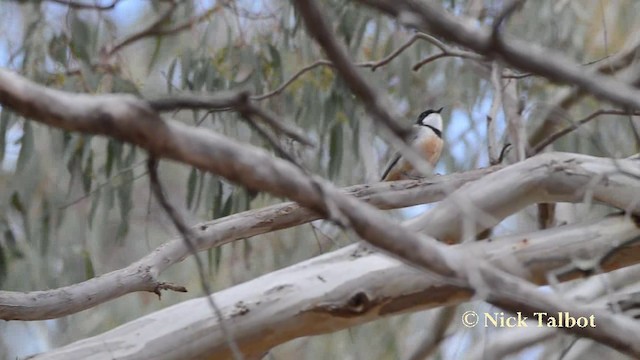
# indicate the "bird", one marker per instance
pixel 426 139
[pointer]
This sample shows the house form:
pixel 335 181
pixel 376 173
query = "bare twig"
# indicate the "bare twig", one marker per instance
pixel 374 65
pixel 496 70
pixel 615 63
pixel 187 23
pixel 150 30
pixel 511 7
pixel 279 126
pixel 142 274
pixel 218 101
pixel 105 183
pixel 317 296
pixel 86 6
pixel 293 78
pixel 130 119
pixel 155 28
pixel 447 51
pixel 521 55
pixel 319 29
pixel 370 97
pixel 225 101
pixel 190 239
pixel 609 64
pixel 436 333
pixel 554 137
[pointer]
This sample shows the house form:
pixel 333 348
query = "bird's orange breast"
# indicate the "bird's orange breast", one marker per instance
pixel 430 148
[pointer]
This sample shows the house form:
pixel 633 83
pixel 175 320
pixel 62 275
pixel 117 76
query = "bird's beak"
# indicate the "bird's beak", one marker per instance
pixel 439 110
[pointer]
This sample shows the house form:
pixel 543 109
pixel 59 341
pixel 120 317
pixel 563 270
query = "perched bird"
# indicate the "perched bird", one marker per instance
pixel 426 139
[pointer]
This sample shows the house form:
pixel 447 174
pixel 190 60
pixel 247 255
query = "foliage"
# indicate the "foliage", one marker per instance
pixel 74 205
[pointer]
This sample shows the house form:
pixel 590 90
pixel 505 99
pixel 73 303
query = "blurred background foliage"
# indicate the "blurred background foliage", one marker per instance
pixel 74 206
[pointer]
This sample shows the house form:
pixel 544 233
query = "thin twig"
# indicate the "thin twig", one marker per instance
pixel 238 101
pixel 553 137
pixel 217 101
pixel 496 70
pixel 447 52
pixel 279 126
pixel 150 30
pixel 374 65
pixel 190 239
pixel 293 78
pixel 188 23
pixel 107 182
pixel 155 28
pixel 83 6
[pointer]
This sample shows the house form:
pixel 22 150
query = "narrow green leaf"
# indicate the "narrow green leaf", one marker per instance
pixel 81 38
pixel 58 47
pixel 226 209
pixel 109 197
pixel 45 227
pixel 121 85
pixel 170 72
pixel 5 117
pixel 95 201
pixel 191 186
pixel 89 271
pixel 218 257
pixel 12 244
pixel 26 145
pixel 124 194
pixel 3 265
pixel 276 63
pixel 156 52
pixel 335 150
pixel 201 181
pixel 87 173
pixel 16 203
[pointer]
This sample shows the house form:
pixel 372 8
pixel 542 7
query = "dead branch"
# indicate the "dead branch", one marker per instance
pixel 341 289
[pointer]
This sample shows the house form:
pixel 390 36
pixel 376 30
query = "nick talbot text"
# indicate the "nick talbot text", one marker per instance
pixel 542 319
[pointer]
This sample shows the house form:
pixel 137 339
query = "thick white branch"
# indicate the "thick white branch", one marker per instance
pixel 557 177
pixel 132 120
pixel 143 274
pixel 338 290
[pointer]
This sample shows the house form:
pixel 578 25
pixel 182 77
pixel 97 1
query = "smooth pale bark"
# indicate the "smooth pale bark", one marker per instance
pixel 143 275
pixel 134 120
pixel 338 290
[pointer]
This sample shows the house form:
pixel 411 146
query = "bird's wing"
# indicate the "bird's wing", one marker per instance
pixel 390 165
pixel 397 156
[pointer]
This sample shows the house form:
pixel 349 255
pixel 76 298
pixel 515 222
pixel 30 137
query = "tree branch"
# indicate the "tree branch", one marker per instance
pixel 238 101
pixel 574 125
pixel 374 65
pixel 155 28
pixel 132 120
pixel 342 289
pixel 190 238
pixel 84 6
pixel 519 54
pixel 143 274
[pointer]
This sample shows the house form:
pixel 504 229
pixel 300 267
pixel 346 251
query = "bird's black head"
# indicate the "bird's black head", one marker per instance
pixel 426 113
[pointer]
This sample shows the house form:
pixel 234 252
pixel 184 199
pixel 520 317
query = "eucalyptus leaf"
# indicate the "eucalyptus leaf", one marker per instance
pixel 191 186
pixel 80 38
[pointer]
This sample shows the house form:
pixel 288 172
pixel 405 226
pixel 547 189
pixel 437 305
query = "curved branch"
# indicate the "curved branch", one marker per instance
pixel 143 274
pixel 557 135
pixel 129 119
pixel 341 289
pixel 374 65
pixel 155 28
pixel 517 53
pixel 82 6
